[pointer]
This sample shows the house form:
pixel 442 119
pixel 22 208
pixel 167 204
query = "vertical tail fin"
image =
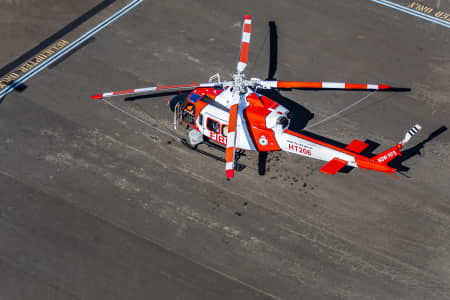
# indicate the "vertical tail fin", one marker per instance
pixel 391 153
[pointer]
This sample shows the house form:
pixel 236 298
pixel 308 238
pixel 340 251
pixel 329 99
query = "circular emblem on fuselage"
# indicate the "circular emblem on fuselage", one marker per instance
pixel 263 141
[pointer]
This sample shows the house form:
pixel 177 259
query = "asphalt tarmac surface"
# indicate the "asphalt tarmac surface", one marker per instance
pixel 95 204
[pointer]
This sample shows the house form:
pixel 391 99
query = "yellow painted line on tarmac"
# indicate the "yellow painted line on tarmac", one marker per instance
pixel 441 14
pixel 32 63
pixel 55 52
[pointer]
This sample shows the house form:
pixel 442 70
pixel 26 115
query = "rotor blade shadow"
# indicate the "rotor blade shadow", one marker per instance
pixel 415 150
pixel 273 55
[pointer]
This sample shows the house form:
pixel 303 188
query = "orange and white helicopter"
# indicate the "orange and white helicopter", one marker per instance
pixel 233 114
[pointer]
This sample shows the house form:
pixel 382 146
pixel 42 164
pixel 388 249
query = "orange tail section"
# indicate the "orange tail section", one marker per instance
pixel 388 155
pixel 379 162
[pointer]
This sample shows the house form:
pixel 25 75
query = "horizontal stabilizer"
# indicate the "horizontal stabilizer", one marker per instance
pixel 357 146
pixel 333 166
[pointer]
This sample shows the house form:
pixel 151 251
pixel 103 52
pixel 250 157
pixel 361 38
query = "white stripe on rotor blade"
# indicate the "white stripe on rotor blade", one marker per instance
pixel 270 84
pixel 149 89
pixel 107 94
pixel 230 139
pixel 372 86
pixel 333 85
pixel 246 37
pixel 247 21
pixel 241 66
pixel 229 166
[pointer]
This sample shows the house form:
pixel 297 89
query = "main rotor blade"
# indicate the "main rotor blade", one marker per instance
pixel 245 44
pixel 323 85
pixel 231 138
pixel 154 89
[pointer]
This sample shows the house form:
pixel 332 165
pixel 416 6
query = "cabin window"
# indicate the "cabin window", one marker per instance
pixel 224 130
pixel 212 125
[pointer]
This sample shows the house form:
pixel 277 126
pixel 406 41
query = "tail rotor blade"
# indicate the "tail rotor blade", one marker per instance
pixel 322 85
pixel 154 89
pixel 412 132
pixel 245 44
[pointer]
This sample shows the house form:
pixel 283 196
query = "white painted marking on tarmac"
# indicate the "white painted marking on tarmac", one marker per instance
pixel 143 121
pixel 70 47
pixel 413 12
pixel 339 112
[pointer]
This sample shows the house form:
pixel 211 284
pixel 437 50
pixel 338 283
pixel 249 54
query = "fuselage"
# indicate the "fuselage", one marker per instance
pixel 262 125
pixel 207 110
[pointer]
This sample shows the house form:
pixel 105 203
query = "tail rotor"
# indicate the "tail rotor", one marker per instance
pixel 412 132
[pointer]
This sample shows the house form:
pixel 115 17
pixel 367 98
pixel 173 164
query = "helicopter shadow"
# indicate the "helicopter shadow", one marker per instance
pixel 301 115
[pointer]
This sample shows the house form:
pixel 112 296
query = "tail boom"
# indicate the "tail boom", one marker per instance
pixel 370 164
pixel 337 157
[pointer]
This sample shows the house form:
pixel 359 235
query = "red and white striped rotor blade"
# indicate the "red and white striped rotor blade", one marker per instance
pixel 154 89
pixel 231 141
pixel 324 85
pixel 245 44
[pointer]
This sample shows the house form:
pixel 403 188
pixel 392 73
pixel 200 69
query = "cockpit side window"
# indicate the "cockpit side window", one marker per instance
pixel 212 125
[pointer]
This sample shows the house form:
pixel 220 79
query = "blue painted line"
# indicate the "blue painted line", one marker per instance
pixel 70 47
pixel 413 12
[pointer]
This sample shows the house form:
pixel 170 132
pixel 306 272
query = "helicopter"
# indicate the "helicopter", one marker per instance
pixel 234 115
